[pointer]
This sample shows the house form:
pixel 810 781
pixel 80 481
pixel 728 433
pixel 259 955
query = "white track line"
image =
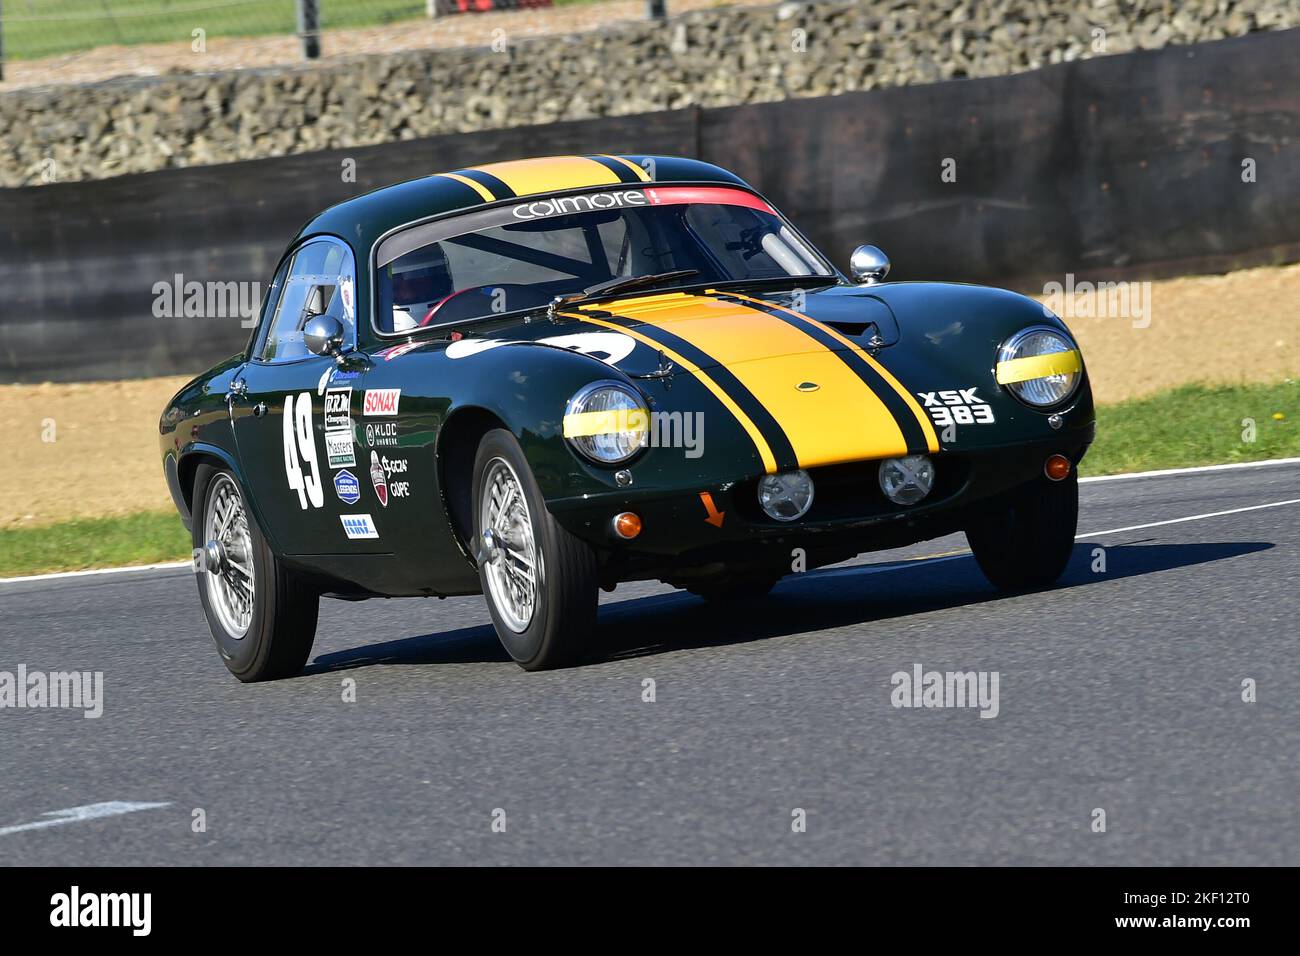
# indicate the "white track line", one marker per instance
pixel 1192 471
pixel 91 811
pixel 940 558
pixel 1212 514
pixel 1139 474
pixel 81 574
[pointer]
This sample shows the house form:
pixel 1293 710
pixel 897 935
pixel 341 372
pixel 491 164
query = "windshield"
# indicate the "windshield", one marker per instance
pixel 520 257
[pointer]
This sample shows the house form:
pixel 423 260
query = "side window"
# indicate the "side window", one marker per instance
pixel 320 279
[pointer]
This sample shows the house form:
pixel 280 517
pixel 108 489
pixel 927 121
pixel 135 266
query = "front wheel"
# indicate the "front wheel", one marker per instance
pixel 1027 543
pixel 262 616
pixel 540 582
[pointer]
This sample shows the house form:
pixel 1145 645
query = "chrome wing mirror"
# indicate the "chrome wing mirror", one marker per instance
pixel 868 265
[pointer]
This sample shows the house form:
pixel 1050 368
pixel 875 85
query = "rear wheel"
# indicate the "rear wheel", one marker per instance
pixel 262 615
pixel 540 582
pixel 1027 543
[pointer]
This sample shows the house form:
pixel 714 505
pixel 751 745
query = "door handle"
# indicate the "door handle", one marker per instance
pixel 259 409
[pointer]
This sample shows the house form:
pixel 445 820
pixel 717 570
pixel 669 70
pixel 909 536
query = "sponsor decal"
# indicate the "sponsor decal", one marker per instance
pixel 563 205
pixel 347 297
pixel 381 401
pixel 378 479
pixel 334 374
pixel 347 487
pixel 957 407
pixel 381 433
pixel 338 409
pixel 338 449
pixel 398 350
pixel 391 467
pixel 359 526
pixel 610 347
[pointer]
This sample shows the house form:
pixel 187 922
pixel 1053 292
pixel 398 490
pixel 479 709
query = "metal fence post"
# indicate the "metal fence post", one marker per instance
pixel 656 9
pixel 309 28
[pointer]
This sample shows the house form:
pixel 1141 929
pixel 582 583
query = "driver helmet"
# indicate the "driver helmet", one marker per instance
pixel 420 280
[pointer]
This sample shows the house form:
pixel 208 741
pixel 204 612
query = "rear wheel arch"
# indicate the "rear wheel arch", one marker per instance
pixel 187 472
pixel 187 469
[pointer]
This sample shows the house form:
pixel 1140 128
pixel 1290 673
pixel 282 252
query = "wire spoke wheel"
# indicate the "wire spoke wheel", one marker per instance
pixel 514 567
pixel 233 585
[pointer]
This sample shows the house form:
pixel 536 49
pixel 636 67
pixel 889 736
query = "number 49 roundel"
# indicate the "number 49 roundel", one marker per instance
pixel 300 443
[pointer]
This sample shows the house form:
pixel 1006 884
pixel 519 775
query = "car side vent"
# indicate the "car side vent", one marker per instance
pixel 852 328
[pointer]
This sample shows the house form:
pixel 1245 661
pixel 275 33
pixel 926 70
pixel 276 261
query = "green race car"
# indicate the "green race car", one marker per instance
pixel 538 378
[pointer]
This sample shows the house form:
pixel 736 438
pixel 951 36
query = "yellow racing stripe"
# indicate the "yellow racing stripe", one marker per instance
pixel 477 187
pixel 641 173
pixel 764 449
pixel 843 420
pixel 1038 366
pixel 927 428
pixel 550 174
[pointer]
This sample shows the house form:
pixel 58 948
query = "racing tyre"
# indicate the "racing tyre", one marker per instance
pixel 1027 544
pixel 261 614
pixel 540 582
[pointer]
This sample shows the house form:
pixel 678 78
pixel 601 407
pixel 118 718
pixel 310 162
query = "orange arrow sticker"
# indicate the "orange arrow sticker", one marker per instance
pixel 715 516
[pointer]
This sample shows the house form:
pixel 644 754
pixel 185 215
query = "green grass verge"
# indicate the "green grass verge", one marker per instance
pixel 1192 425
pixel 146 538
pixel 1196 425
pixel 39 28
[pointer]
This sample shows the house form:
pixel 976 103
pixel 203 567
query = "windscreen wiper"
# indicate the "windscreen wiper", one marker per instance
pixel 610 286
pixel 635 282
pixel 813 280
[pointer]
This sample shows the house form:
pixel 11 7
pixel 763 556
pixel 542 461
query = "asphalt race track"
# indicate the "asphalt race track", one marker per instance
pixel 1119 690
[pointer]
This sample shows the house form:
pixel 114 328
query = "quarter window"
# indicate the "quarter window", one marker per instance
pixel 320 279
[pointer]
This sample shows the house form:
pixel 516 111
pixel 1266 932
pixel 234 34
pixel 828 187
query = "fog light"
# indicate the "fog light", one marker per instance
pixel 905 481
pixel 1057 467
pixel 787 496
pixel 627 525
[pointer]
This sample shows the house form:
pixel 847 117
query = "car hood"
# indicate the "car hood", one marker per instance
pixel 708 330
pixel 832 375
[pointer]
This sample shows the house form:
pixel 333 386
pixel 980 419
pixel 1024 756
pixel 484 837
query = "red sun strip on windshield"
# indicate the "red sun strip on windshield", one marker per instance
pixel 717 196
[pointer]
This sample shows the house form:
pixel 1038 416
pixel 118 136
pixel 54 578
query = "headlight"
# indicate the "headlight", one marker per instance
pixel 1040 366
pixel 607 422
pixel 787 496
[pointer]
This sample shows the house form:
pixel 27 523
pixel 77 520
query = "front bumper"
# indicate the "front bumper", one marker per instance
pixel 850 514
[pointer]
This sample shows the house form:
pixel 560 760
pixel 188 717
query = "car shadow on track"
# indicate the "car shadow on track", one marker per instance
pixel 818 600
